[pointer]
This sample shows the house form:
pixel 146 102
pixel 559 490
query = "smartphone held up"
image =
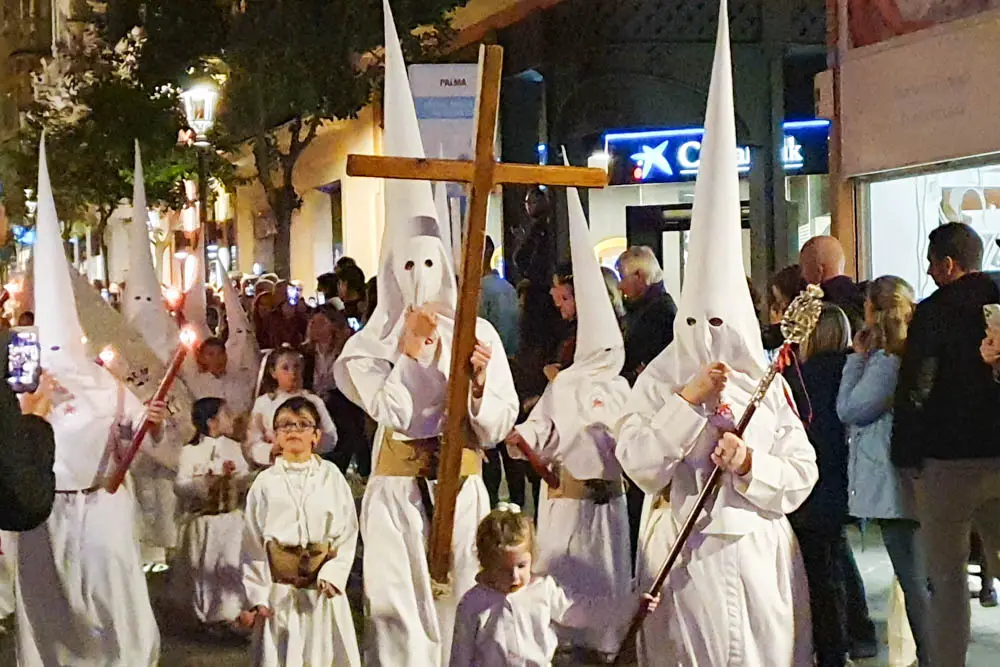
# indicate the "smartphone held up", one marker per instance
pixel 24 360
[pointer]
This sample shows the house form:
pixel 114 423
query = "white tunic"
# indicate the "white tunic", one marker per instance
pixel 583 545
pixel 206 573
pixel 236 388
pixel 515 630
pixel 81 594
pixel 738 594
pixel 409 627
pixel 261 434
pixel 299 504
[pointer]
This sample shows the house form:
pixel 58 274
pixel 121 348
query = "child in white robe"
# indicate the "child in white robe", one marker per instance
pixel 210 477
pixel 282 380
pixel 298 548
pixel 507 617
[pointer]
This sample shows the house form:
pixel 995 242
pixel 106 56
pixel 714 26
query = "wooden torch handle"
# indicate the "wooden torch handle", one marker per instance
pixel 536 463
pixel 161 394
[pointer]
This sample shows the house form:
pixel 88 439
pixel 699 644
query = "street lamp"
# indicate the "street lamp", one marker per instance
pixel 199 106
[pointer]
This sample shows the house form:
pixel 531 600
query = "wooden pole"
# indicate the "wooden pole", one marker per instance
pixel 457 427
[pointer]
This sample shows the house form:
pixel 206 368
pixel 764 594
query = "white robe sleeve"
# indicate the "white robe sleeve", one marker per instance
pixel 781 480
pixel 187 484
pixel 163 445
pixel 337 569
pixel 463 641
pixel 656 436
pixel 589 612
pixel 538 430
pixel 328 441
pixel 493 415
pixel 256 572
pixel 393 394
pixel 258 449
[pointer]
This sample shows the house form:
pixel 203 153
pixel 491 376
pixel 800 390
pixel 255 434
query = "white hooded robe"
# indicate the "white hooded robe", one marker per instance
pixel 583 545
pixel 738 594
pixel 407 627
pixel 81 594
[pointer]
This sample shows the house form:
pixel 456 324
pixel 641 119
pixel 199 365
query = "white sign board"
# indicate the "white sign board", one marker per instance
pixel 445 97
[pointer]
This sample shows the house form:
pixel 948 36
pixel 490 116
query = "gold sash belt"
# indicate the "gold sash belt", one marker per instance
pixel 419 458
pixel 297 566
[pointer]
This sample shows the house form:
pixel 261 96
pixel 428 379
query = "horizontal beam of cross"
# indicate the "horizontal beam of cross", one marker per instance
pixel 461 171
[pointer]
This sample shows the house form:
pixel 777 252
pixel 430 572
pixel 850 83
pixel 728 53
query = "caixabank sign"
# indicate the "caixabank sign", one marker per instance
pixel 673 155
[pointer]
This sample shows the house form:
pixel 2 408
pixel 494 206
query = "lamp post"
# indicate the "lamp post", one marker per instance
pixel 199 106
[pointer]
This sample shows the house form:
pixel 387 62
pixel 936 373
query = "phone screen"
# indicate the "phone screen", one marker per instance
pixel 293 295
pixel 24 360
pixel 321 298
pixel 354 323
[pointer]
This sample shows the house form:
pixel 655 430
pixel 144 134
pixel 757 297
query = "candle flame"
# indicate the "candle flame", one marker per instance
pixel 13 287
pixel 107 355
pixel 173 296
pixel 188 336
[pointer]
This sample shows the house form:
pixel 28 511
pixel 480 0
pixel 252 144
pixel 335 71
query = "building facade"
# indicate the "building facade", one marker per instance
pixel 624 85
pixel 915 103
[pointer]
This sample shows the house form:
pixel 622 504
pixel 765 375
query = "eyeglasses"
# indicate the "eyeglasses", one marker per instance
pixel 293 427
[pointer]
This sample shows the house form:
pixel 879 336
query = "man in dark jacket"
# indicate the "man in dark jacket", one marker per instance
pixel 947 424
pixel 648 328
pixel 27 454
pixel 650 311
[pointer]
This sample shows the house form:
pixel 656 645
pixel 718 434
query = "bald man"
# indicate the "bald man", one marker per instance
pixel 823 262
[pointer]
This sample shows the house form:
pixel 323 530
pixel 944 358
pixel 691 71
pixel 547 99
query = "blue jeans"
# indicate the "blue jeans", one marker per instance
pixel 902 541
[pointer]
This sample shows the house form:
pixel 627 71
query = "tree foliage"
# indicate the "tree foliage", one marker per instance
pixel 93 108
pixel 289 66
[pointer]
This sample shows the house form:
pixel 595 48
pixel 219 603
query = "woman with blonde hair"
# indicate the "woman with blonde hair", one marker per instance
pixel 877 490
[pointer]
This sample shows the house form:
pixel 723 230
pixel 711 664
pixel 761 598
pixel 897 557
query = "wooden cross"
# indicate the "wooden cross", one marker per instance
pixel 483 173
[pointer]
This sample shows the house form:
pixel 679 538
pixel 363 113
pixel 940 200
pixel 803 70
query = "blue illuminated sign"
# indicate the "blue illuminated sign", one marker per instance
pixel 23 235
pixel 671 156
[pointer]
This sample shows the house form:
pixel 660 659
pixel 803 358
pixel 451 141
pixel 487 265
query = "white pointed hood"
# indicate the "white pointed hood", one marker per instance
pixel 584 402
pixel 195 305
pixel 59 329
pixel 599 341
pixel 241 346
pixel 415 267
pixel 715 318
pixel 143 304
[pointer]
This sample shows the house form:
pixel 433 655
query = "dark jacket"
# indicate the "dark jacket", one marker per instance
pixel 826 506
pixel 947 404
pixel 27 455
pixel 845 294
pixel 648 329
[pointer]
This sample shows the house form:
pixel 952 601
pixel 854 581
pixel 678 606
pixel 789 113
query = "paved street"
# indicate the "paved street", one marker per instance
pixel 189 647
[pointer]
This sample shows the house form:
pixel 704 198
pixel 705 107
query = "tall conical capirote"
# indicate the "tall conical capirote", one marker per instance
pixel 404 200
pixel 60 333
pixel 241 345
pixel 716 320
pixel 143 304
pixel 597 330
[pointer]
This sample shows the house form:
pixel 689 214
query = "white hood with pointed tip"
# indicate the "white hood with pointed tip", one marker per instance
pixel 60 332
pixel 142 302
pixel 241 345
pixel 412 234
pixel 585 401
pixel 715 317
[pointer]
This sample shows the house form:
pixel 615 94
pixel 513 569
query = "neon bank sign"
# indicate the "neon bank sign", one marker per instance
pixel 665 156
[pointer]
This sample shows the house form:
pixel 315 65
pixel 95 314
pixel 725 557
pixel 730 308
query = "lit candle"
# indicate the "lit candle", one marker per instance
pixel 188 339
pixel 106 357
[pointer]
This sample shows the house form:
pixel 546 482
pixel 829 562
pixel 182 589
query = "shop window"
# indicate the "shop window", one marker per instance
pixel 901 212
